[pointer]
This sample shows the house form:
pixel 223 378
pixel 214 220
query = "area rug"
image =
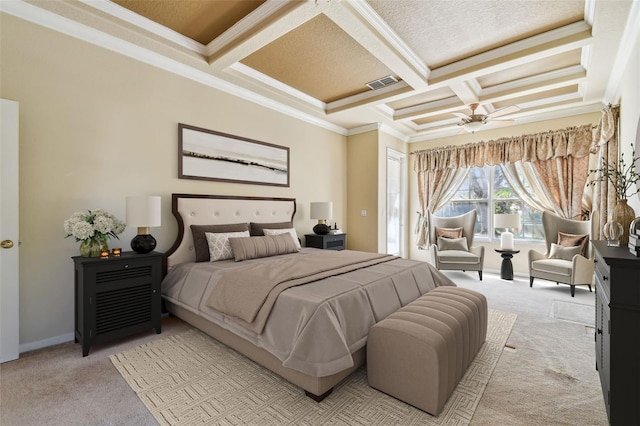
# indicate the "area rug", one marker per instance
pixel 190 378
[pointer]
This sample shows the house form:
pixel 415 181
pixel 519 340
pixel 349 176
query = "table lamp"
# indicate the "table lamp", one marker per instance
pixel 143 212
pixel 506 221
pixel 322 211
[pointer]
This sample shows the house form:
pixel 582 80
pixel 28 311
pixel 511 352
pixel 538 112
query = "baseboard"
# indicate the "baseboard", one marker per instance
pixel 32 346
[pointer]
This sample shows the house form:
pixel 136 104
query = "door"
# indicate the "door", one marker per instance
pixel 395 202
pixel 9 289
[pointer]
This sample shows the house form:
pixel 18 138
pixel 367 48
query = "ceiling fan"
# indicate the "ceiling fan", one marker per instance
pixel 473 122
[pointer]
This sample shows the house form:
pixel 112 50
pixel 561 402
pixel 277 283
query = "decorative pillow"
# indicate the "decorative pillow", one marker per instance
pixel 452 244
pixel 572 240
pixel 265 246
pixel 449 232
pixel 219 247
pixel 561 252
pixel 257 229
pixel 200 244
pixel 291 231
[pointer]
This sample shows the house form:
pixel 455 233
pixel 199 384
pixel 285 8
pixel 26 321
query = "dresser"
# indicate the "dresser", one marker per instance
pixel 618 331
pixel 116 296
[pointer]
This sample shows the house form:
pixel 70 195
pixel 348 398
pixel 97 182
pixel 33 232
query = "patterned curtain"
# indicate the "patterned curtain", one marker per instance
pixel 564 178
pixel 522 178
pixel 561 154
pixel 435 188
pixel 601 197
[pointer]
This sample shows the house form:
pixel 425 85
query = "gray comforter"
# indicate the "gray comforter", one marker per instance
pixel 312 328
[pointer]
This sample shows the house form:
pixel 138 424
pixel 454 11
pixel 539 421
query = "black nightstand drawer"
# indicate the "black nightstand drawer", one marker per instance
pixel 326 242
pixel 116 297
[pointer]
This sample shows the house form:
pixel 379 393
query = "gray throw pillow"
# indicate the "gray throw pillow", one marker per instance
pixel 257 229
pixel 452 244
pixel 566 253
pixel 266 246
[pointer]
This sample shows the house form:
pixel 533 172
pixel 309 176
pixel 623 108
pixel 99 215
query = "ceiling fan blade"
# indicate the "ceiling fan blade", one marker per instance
pixel 503 111
pixel 500 122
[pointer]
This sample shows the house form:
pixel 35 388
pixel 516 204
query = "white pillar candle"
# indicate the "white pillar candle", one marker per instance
pixel 506 241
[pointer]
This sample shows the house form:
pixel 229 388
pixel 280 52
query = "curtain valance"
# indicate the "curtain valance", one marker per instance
pixel 569 142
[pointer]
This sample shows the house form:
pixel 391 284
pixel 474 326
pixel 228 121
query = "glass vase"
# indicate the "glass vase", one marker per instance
pixel 612 232
pixel 624 215
pixel 92 247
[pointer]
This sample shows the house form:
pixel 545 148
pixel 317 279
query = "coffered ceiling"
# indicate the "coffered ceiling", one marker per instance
pixel 313 58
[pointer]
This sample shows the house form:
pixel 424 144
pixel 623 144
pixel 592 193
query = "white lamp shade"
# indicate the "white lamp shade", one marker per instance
pixel 508 221
pixel 143 211
pixel 322 211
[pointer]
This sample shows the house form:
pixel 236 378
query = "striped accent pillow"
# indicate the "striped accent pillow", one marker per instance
pixel 255 247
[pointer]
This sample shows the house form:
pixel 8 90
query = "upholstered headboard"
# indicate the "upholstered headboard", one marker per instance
pixel 198 209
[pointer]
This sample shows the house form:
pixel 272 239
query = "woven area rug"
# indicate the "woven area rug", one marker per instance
pixel 190 378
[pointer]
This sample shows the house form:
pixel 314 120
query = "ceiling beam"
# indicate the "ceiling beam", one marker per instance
pixel 550 43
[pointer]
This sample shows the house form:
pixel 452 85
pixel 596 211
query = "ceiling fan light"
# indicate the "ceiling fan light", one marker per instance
pixel 473 126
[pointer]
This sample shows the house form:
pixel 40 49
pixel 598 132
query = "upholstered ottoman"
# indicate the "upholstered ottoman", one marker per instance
pixel 419 353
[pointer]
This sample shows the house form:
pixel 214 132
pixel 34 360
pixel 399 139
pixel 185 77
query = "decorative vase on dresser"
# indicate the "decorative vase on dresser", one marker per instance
pixel 618 331
pixel 623 214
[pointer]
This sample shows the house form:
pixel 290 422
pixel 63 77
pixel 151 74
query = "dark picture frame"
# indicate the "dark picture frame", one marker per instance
pixel 209 155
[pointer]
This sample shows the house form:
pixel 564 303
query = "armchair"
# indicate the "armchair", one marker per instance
pixel 450 254
pixel 569 256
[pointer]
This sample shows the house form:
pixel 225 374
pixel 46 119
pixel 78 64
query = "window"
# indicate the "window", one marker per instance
pixel 488 191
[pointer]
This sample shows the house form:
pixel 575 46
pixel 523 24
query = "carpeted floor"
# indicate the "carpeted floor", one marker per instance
pixel 545 375
pixel 190 378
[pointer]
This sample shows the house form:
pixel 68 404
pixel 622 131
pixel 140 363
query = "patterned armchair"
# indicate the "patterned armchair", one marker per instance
pixel 451 240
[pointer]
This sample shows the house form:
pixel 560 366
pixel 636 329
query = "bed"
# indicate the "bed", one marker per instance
pixel 313 335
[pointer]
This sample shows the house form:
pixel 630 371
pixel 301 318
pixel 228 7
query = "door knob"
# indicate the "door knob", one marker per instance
pixel 7 244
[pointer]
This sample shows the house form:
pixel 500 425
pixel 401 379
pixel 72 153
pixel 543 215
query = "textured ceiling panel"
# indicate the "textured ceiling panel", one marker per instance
pixel 563 91
pixel 530 69
pixel 200 20
pixel 319 58
pixel 435 119
pixel 430 96
pixel 444 31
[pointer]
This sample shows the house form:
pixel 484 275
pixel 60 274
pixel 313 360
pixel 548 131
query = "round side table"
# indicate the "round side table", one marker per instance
pixel 506 270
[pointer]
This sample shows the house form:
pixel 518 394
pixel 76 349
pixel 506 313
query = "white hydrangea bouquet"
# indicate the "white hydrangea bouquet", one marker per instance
pixel 93 228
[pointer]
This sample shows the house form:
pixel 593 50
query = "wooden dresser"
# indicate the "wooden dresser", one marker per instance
pixel 618 331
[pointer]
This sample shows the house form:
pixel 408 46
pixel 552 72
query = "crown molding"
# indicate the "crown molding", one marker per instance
pixel 382 127
pixel 146 24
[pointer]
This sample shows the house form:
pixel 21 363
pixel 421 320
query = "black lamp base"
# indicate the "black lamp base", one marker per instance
pixel 143 243
pixel 321 229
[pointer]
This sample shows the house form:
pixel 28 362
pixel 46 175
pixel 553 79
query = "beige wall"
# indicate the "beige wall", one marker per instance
pixel 362 191
pixel 96 126
pixel 367 189
pixel 629 90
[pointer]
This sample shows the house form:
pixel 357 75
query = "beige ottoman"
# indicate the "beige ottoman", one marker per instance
pixel 419 353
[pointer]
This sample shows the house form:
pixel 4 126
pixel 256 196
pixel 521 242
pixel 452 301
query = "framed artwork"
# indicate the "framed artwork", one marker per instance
pixel 209 155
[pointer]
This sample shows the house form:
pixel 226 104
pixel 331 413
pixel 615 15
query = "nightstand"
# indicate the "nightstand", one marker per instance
pixel 326 242
pixel 116 296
